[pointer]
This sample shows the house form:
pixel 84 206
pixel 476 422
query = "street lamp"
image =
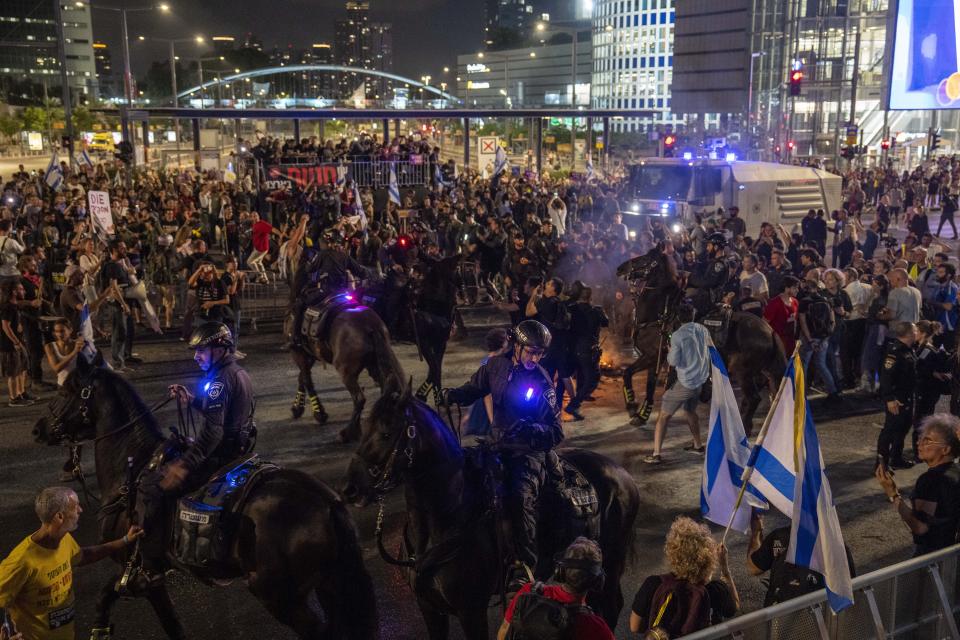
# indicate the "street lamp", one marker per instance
pixel 123 11
pixel 505 92
pixel 173 59
pixel 753 56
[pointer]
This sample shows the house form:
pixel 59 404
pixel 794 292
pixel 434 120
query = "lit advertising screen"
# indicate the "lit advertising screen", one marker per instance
pixel 925 73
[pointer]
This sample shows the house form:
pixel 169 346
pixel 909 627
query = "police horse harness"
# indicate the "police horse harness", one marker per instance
pixel 343 332
pixel 754 354
pixel 453 545
pixel 289 536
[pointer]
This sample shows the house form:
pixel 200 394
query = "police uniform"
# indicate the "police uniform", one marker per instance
pixel 526 397
pixel 708 280
pixel 586 320
pixel 321 272
pixel 898 381
pixel 224 397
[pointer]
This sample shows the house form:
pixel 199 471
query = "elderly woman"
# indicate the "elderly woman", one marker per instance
pixel 932 513
pixel 685 600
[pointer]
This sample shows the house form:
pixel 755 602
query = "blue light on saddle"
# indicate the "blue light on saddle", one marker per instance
pixel 528 396
pixel 348 297
pixel 206 387
pixel 237 476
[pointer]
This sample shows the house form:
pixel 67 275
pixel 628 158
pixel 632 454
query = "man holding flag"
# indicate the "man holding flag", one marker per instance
pixel 393 191
pixel 53 177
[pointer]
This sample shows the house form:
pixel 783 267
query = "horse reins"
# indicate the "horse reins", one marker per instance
pixel 385 484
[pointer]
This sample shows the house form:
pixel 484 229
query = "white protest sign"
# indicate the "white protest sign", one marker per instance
pixel 100 213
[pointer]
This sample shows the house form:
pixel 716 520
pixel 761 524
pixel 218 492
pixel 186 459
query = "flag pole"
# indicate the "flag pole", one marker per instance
pixel 748 470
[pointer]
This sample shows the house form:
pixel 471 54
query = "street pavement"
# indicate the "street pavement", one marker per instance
pixel 871 528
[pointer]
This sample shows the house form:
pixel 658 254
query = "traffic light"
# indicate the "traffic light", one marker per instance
pixel 796 81
pixel 849 152
pixel 885 144
pixel 124 152
pixel 934 141
pixel 790 145
pixel 669 144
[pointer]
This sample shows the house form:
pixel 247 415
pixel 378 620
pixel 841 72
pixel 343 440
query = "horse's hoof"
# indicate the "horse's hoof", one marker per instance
pixel 296 412
pixel 637 420
pixel 320 416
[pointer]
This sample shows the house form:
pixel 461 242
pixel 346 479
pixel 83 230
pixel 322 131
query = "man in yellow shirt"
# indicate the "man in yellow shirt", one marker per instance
pixel 36 579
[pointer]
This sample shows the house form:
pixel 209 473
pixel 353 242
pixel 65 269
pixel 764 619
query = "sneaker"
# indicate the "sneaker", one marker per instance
pixel 26 395
pixel 653 459
pixel 900 463
pixel 695 449
pixel 574 411
pixel 17 402
pixel 134 359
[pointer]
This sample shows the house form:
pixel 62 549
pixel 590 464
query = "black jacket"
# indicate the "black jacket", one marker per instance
pixel 898 377
pixel 225 400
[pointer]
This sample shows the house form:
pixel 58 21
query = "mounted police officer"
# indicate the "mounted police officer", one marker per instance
pixel 711 276
pixel 525 409
pixel 224 398
pixel 321 272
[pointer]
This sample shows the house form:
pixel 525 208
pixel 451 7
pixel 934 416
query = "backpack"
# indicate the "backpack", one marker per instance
pixel 678 608
pixel 820 318
pixel 539 617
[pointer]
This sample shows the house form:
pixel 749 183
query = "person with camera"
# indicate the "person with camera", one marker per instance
pixel 213 301
pixel 526 413
pixel 932 514
pixel 559 610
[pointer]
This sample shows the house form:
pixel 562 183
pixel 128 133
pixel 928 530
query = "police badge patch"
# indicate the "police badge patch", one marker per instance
pixel 551 396
pixel 719 266
pixel 215 390
pixel 889 362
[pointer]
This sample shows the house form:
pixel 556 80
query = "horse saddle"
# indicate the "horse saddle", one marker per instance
pixel 639 268
pixel 207 519
pixel 317 318
pixel 717 323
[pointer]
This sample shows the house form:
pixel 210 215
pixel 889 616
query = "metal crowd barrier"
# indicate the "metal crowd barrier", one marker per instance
pixel 263 302
pixel 915 599
pixel 376 173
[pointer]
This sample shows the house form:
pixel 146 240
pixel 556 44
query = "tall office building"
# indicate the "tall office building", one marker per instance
pixel 841 47
pixel 29 64
pixel 381 58
pixel 107 85
pixel 352 45
pixel 517 16
pixel 633 60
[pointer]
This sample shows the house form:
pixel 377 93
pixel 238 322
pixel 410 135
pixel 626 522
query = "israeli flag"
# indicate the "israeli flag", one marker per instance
pixel 438 177
pixel 499 161
pixel 83 159
pixel 358 206
pixel 54 174
pixel 393 191
pixel 589 166
pixel 790 472
pixel 726 456
pixel 89 350
pixel 342 176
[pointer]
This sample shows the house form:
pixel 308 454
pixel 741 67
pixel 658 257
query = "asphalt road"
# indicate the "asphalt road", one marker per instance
pixel 871 528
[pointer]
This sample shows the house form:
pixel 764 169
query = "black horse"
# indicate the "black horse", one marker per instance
pixel 296 545
pixel 753 353
pixel 452 532
pixel 356 339
pixel 436 301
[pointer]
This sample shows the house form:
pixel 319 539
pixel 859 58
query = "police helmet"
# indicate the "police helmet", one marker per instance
pixel 211 334
pixel 531 333
pixel 718 240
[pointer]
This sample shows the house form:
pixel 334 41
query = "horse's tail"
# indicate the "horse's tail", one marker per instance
pixel 778 363
pixel 386 364
pixel 359 613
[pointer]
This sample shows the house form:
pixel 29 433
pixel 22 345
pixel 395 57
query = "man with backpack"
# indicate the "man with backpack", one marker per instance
pixel 817 324
pixel 559 611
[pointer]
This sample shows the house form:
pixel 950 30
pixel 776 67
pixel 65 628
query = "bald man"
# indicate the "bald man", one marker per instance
pixel 903 300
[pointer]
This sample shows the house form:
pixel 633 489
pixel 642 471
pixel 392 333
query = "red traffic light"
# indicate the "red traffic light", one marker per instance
pixel 403 242
pixel 669 141
pixel 796 76
pixel 791 144
pixel 884 144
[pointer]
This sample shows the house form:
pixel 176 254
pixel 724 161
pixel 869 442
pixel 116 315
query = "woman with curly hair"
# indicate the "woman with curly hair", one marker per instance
pixel 685 599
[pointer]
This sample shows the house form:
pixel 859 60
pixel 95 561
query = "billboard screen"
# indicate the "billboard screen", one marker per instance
pixel 925 73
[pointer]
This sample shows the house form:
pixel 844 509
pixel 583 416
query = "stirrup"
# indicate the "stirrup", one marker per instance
pixel 101 633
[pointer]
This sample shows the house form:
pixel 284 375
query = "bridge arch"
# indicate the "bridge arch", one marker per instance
pixel 267 71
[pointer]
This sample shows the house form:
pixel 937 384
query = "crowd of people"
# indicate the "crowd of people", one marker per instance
pixel 874 313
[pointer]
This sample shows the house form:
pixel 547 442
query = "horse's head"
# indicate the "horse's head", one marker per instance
pixel 73 413
pixel 386 445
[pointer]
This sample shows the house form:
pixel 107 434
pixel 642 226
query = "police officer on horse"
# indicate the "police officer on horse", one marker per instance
pixel 224 397
pixel 525 409
pixel 711 276
pixel 322 272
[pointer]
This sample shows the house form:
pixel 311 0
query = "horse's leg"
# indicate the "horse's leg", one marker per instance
pixel 108 598
pixel 319 413
pixel 438 623
pixel 474 623
pixel 647 408
pixel 351 381
pixel 301 613
pixel 299 400
pixel 162 605
pixel 628 396
pixel 751 399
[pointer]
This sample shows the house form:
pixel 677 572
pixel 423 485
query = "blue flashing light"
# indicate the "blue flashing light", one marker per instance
pixel 731 157
pixel 529 394
pixel 206 387
pixel 687 155
pixel 348 297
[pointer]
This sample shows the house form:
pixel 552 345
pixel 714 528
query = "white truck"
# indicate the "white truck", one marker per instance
pixel 676 189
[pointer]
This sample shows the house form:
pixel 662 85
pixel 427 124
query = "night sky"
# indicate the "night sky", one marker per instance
pixel 427 34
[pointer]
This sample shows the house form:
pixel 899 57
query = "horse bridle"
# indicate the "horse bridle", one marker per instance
pixel 57 434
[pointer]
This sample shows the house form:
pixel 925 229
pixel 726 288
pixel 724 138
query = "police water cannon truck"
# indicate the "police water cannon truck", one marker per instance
pixel 674 190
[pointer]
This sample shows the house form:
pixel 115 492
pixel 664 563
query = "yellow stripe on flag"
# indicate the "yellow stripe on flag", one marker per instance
pixel 799 410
